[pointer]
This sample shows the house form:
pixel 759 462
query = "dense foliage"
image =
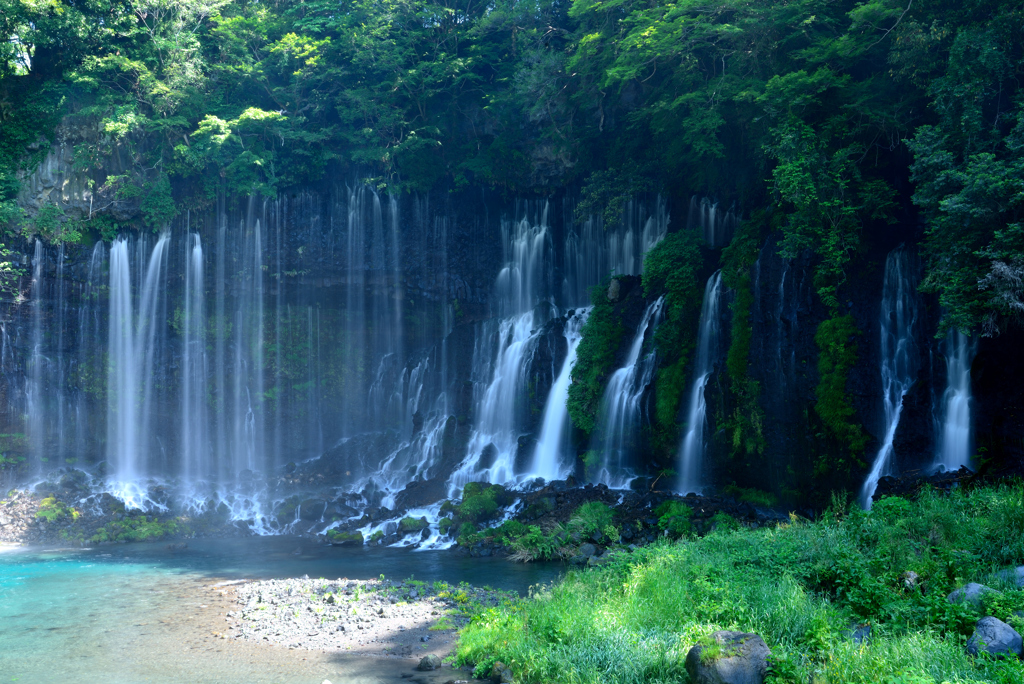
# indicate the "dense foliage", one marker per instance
pixel 672 270
pixel 803 587
pixel 824 109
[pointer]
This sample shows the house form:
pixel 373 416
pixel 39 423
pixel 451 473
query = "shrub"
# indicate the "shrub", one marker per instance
pixel 674 518
pixel 52 510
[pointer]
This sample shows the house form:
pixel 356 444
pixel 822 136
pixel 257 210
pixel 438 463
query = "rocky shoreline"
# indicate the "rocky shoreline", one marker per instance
pixel 407 619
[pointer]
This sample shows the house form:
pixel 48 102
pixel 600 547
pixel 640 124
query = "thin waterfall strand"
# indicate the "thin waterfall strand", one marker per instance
pixel 955 437
pixel 551 458
pixel 691 452
pixel 899 356
pixel 620 407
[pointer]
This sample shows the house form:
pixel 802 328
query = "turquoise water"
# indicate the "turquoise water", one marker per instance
pixel 145 613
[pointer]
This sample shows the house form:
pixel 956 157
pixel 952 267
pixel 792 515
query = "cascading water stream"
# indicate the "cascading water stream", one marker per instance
pixel 620 406
pixel 691 452
pixel 899 355
pixel 34 395
pixel 194 446
pixel 500 375
pixel 131 343
pixel 955 429
pixel 551 458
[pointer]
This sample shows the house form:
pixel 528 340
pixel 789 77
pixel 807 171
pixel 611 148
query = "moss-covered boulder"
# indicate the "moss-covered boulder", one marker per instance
pixel 412 525
pixel 339 538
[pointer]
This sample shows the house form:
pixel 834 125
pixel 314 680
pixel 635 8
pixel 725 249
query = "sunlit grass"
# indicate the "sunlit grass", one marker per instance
pixel 801 586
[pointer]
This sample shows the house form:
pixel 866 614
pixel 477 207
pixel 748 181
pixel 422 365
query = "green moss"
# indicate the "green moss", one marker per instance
pixel 339 538
pixel 139 528
pixel 746 425
pixel 672 269
pixel 752 496
pixel 411 525
pixel 481 502
pixel 602 335
pixel 836 340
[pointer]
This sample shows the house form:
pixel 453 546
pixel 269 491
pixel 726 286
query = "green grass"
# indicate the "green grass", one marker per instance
pixel 801 586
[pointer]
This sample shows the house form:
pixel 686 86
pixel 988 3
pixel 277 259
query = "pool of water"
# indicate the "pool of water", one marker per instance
pixel 146 613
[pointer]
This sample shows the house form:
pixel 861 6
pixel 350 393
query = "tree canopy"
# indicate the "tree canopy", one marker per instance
pixel 838 115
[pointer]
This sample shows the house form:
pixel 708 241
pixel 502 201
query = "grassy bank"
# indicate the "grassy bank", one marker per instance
pixel 801 586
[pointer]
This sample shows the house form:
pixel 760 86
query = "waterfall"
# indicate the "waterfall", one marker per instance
pixel 34 396
pixel 620 406
pixel 503 350
pixel 899 355
pixel 131 349
pixel 717 225
pixel 955 433
pixel 691 452
pixel 195 451
pixel 551 458
pixel 593 251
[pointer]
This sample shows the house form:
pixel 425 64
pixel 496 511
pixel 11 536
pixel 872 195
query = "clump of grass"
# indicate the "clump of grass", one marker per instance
pixel 674 518
pixel 800 586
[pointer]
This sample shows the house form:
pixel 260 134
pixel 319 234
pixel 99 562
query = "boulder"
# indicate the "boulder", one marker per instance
pixel 339 538
pixel 411 525
pixel 500 674
pixel 587 550
pixel 737 658
pixel 971 594
pixel 428 663
pixel 312 510
pixel 995 637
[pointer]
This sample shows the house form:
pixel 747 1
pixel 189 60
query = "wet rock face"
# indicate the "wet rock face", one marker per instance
pixel 79 192
pixel 998 395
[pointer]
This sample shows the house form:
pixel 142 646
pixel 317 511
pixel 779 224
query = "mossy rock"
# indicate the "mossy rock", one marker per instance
pixel 412 525
pixel 339 538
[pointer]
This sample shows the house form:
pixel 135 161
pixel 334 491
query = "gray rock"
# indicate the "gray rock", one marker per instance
pixel 1012 576
pixel 994 637
pixel 587 550
pixel 971 594
pixel 910 579
pixel 428 663
pixel 743 660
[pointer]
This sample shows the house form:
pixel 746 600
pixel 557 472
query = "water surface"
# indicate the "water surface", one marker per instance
pixel 147 613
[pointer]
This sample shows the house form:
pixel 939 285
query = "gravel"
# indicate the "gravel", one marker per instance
pixel 382 617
